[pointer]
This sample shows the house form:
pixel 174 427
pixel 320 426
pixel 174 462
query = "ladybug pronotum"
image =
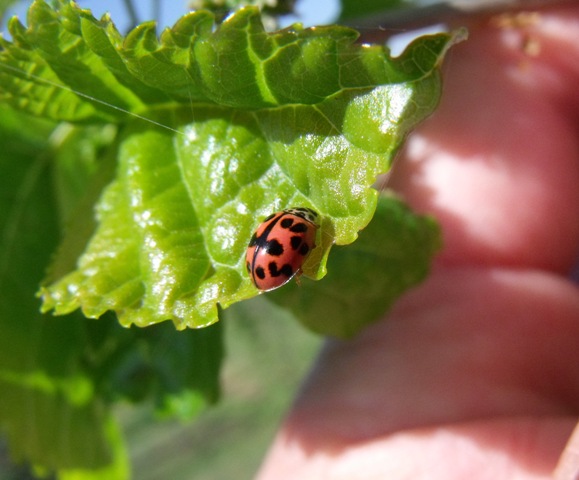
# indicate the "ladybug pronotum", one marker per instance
pixel 279 247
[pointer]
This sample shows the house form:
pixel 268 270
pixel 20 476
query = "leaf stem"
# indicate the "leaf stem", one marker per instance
pixel 156 10
pixel 132 13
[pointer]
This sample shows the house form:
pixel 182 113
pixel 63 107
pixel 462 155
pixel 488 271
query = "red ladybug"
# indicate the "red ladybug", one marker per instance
pixel 279 247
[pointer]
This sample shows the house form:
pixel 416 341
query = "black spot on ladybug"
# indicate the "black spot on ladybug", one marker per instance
pixel 304 249
pixel 299 228
pixel 274 248
pixel 286 222
pixel 260 273
pixel 286 270
pixel 296 242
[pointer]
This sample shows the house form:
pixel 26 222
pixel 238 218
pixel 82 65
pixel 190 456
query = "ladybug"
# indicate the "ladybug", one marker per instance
pixel 279 247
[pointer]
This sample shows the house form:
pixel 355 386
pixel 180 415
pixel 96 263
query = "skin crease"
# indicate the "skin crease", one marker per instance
pixel 475 373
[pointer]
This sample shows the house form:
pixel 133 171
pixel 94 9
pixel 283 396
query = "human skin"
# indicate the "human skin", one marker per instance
pixel 475 373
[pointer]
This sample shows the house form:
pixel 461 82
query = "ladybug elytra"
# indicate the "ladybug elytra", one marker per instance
pixel 279 247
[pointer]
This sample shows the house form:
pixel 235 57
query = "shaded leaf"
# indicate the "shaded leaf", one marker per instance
pixel 48 407
pixel 391 255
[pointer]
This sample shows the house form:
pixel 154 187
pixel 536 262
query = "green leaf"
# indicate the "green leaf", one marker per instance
pixel 80 63
pixel 118 469
pixel 241 123
pixel 132 363
pixel 179 369
pixel 48 408
pixel 391 255
pixel 58 375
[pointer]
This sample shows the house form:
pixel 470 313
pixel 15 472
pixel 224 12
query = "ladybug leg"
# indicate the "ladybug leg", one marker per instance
pixel 298 279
